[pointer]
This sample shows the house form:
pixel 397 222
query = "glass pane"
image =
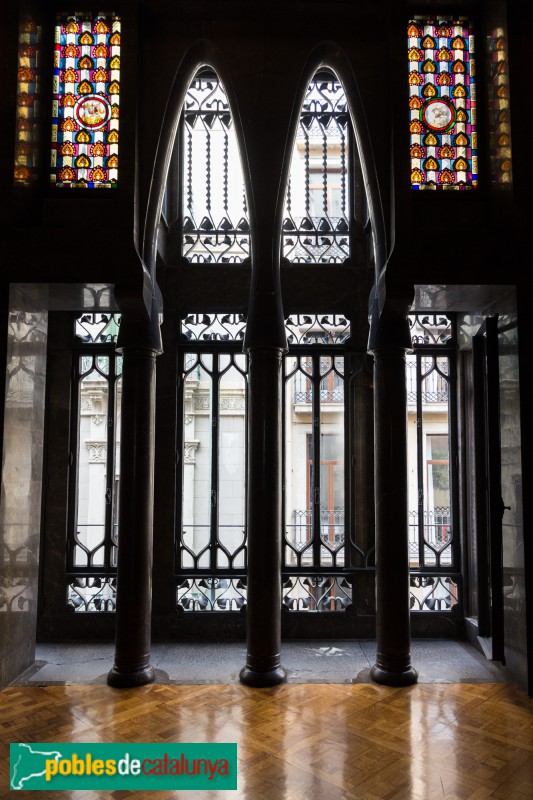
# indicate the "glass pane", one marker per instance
pixel 332 510
pixel 442 104
pixel 298 440
pixel 197 453
pixel 316 215
pixel 28 90
pixel 430 529
pixel 92 462
pixel 85 106
pixel 215 225
pixel 116 481
pixel 231 459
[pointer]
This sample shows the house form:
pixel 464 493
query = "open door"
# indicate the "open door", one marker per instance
pixel 489 503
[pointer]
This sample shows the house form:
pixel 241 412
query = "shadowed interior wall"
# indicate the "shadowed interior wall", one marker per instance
pixel 514 588
pixel 22 466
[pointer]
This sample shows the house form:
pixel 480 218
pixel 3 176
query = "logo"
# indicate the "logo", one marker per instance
pixel 60 767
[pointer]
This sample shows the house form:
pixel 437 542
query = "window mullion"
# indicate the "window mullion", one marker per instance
pixel 316 459
pixel 420 459
pixel 110 458
pixel 213 538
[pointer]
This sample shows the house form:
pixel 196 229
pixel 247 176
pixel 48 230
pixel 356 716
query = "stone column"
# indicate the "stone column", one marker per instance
pixel 263 607
pixel 393 660
pixel 139 344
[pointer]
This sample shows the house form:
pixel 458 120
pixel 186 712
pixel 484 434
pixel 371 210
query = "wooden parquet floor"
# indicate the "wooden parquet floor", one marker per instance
pixel 301 742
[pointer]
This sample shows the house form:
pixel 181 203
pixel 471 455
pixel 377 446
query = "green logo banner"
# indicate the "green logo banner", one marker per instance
pixel 57 767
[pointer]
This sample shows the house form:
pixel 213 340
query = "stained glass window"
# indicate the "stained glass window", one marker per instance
pixel 85 109
pixel 26 144
pixel 442 104
pixel 500 115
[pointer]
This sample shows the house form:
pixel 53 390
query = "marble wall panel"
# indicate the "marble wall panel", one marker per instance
pixel 514 599
pixel 22 465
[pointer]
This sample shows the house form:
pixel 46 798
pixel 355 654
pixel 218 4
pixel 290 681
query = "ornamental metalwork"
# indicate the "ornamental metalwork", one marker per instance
pixel 211 594
pixel 317 329
pixel 320 593
pixel 211 536
pixel 213 327
pixel 215 227
pixel 92 539
pixel 430 329
pixel 316 224
pixel 434 592
pixel 314 463
pixel 97 328
pixel 92 594
pixel 433 542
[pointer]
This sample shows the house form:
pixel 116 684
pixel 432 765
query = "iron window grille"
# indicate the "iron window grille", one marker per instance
pixel 211 514
pixel 92 537
pixel 436 583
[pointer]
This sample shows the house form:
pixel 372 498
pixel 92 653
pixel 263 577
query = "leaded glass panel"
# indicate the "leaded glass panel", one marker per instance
pixel 500 112
pixel 442 104
pixel 86 96
pixel 28 89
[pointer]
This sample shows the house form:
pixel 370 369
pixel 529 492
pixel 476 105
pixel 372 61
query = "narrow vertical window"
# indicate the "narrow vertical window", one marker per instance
pixel 433 543
pixel 500 113
pixel 442 104
pixel 28 89
pixel 214 211
pixel 211 540
pixel 317 206
pixel 93 513
pixel 314 443
pixel 85 110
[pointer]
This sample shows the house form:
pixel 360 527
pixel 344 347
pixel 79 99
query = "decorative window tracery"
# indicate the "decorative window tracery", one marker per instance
pixel 317 208
pixel 442 104
pixel 211 535
pixel 92 541
pixel 215 215
pixel 86 97
pixel 433 541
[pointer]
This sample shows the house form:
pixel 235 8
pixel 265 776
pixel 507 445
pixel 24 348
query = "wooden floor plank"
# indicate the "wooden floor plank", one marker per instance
pixel 301 742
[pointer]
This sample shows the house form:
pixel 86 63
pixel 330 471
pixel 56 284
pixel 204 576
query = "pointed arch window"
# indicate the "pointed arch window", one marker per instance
pixel 214 211
pixel 317 212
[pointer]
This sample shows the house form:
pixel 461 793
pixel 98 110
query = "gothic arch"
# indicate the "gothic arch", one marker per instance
pixel 201 55
pixel 328 55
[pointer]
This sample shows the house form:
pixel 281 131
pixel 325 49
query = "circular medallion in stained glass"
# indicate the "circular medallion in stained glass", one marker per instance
pixel 438 114
pixel 92 111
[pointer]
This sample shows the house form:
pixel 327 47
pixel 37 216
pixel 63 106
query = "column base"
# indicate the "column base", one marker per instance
pixel 253 677
pixel 390 677
pixel 122 679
